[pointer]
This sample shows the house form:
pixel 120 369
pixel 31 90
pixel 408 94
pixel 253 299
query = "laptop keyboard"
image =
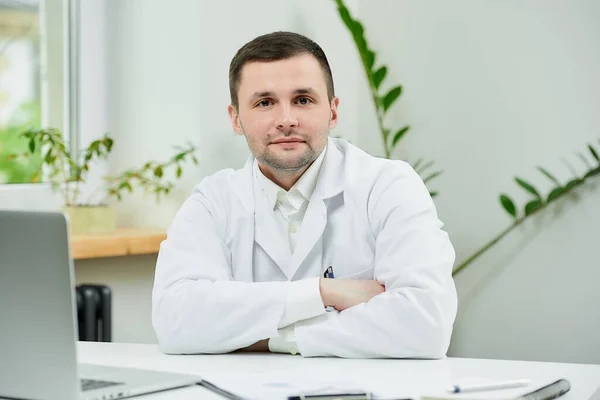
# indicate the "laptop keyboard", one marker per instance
pixel 89 384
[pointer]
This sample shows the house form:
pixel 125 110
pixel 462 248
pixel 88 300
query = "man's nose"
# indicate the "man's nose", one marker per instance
pixel 286 119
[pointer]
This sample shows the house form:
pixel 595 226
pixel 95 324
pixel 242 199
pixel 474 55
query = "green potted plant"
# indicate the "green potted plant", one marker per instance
pixel 67 173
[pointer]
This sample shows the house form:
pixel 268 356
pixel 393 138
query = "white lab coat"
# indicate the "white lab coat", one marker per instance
pixel 225 273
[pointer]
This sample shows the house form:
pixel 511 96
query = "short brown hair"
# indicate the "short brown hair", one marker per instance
pixel 276 46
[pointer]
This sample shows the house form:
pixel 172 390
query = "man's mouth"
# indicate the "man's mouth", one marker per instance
pixel 287 140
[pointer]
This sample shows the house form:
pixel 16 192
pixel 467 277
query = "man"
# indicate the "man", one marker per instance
pixel 314 247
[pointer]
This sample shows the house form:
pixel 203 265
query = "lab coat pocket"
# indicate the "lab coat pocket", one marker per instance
pixel 366 274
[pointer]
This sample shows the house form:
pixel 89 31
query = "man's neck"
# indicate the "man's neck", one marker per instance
pixel 284 179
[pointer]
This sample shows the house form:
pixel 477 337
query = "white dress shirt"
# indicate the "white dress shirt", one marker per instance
pixel 290 207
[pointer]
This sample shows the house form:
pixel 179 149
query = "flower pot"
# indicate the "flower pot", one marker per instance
pixel 91 219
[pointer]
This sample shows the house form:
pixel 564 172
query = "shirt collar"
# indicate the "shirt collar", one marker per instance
pixel 305 186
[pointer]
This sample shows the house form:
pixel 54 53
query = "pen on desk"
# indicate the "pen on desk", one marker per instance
pixel 342 396
pixel 333 396
pixel 488 386
pixel 215 389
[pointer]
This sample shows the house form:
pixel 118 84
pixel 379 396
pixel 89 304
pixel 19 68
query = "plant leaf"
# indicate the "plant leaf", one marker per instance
pixel 433 194
pixel 432 176
pixel 358 29
pixel 391 97
pixel 569 166
pixel 158 172
pixel 508 205
pixel 195 160
pixel 179 172
pixel 32 145
pixel 386 134
pixel 379 76
pixel 573 183
pixel 425 166
pixel 417 163
pixel 399 135
pixel 591 172
pixel 550 176
pixel 370 59
pixel 594 153
pixel 527 186
pixel 532 206
pixel 555 193
pixel 345 15
pixel 585 160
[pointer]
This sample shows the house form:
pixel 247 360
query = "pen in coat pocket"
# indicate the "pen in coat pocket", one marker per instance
pixel 329 275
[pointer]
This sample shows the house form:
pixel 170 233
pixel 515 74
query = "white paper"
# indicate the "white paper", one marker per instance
pixel 281 384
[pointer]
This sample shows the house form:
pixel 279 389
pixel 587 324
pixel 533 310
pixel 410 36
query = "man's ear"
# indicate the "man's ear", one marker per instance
pixel 334 114
pixel 235 120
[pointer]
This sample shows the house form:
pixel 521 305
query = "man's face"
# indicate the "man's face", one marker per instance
pixel 284 112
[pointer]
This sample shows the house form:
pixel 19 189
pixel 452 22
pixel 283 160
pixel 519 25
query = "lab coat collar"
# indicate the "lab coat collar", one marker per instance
pixel 332 178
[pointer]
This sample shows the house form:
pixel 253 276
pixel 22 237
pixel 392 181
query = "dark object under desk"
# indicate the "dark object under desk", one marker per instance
pixel 94 313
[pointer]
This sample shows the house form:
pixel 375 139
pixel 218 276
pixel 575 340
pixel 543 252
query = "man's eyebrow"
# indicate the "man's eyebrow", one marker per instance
pixel 257 95
pixel 307 90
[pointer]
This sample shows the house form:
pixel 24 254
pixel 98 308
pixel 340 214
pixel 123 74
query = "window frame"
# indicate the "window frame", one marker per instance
pixel 60 27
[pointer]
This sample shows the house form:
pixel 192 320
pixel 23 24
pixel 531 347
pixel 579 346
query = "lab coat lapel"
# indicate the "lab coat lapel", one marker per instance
pixel 330 183
pixel 268 233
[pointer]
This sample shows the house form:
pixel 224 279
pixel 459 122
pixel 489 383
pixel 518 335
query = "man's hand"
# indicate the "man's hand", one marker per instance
pixel 262 346
pixel 342 294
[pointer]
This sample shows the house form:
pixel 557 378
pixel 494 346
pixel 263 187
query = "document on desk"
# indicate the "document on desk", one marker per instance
pixel 280 385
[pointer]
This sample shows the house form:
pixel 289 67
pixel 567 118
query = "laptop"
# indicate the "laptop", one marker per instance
pixel 38 327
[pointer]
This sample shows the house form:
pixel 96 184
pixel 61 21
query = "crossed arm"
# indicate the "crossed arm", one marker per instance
pixel 199 308
pixel 339 294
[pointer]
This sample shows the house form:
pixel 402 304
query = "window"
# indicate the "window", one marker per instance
pixel 20 87
pixel 33 80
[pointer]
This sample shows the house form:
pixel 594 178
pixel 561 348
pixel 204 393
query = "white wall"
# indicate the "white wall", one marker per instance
pixel 167 72
pixel 492 89
pixel 168 77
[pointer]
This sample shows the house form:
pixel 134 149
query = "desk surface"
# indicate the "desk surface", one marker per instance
pixel 392 377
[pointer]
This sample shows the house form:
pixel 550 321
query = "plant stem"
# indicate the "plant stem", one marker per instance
pixel 377 110
pixel 485 248
pixel 62 170
pixel 89 199
pixel 515 224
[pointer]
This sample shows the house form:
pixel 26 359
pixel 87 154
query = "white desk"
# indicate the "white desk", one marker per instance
pixel 394 377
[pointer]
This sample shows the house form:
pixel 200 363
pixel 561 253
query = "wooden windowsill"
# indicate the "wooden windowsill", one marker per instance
pixel 124 242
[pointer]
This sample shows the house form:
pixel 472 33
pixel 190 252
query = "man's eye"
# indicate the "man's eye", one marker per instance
pixel 264 103
pixel 304 100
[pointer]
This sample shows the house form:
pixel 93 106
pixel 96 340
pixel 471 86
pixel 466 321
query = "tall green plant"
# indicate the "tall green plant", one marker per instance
pixel 538 202
pixel 382 99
